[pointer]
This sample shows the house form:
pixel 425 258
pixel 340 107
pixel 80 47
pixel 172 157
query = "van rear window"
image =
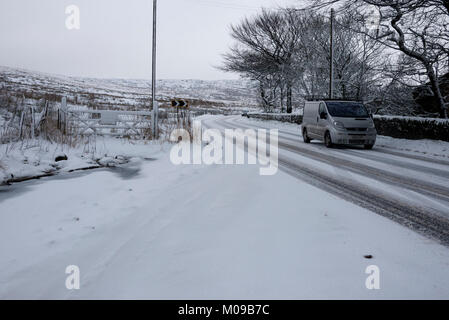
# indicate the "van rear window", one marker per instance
pixel 347 109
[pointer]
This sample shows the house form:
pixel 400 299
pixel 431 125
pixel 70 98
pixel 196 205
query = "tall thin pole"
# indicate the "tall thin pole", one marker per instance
pixel 153 77
pixel 331 75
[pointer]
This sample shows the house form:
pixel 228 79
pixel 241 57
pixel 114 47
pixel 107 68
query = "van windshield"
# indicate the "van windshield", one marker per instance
pixel 347 109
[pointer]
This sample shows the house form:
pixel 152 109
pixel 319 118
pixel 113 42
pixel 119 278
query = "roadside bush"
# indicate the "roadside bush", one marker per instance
pixel 412 128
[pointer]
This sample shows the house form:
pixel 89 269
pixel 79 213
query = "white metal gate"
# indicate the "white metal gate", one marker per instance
pixel 85 122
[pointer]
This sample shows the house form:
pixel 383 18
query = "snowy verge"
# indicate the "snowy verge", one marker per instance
pixel 38 158
pixel 433 148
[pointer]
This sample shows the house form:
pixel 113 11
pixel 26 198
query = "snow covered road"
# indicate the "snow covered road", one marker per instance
pixel 218 232
pixel 412 190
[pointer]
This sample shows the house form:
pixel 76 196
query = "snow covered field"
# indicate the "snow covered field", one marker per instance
pixel 150 229
pixel 125 93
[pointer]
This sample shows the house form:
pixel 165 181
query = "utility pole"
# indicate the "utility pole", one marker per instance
pixel 153 78
pixel 331 76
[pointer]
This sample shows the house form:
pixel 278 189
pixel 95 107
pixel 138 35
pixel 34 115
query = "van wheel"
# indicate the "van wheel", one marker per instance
pixel 305 136
pixel 328 140
pixel 369 146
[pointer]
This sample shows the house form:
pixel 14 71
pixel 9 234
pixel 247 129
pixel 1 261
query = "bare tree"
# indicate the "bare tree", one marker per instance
pixel 265 51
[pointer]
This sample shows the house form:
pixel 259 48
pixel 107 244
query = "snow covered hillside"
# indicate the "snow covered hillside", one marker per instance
pixel 125 94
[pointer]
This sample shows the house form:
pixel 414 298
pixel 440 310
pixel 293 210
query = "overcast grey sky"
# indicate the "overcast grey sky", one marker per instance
pixel 115 36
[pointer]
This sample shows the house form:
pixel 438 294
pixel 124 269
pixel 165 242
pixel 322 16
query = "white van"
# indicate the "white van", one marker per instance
pixel 338 122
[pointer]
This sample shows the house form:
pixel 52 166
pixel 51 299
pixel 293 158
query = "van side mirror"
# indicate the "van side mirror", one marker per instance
pixel 323 115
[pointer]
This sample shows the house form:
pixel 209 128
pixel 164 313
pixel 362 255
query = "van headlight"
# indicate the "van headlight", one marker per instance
pixel 372 125
pixel 339 125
